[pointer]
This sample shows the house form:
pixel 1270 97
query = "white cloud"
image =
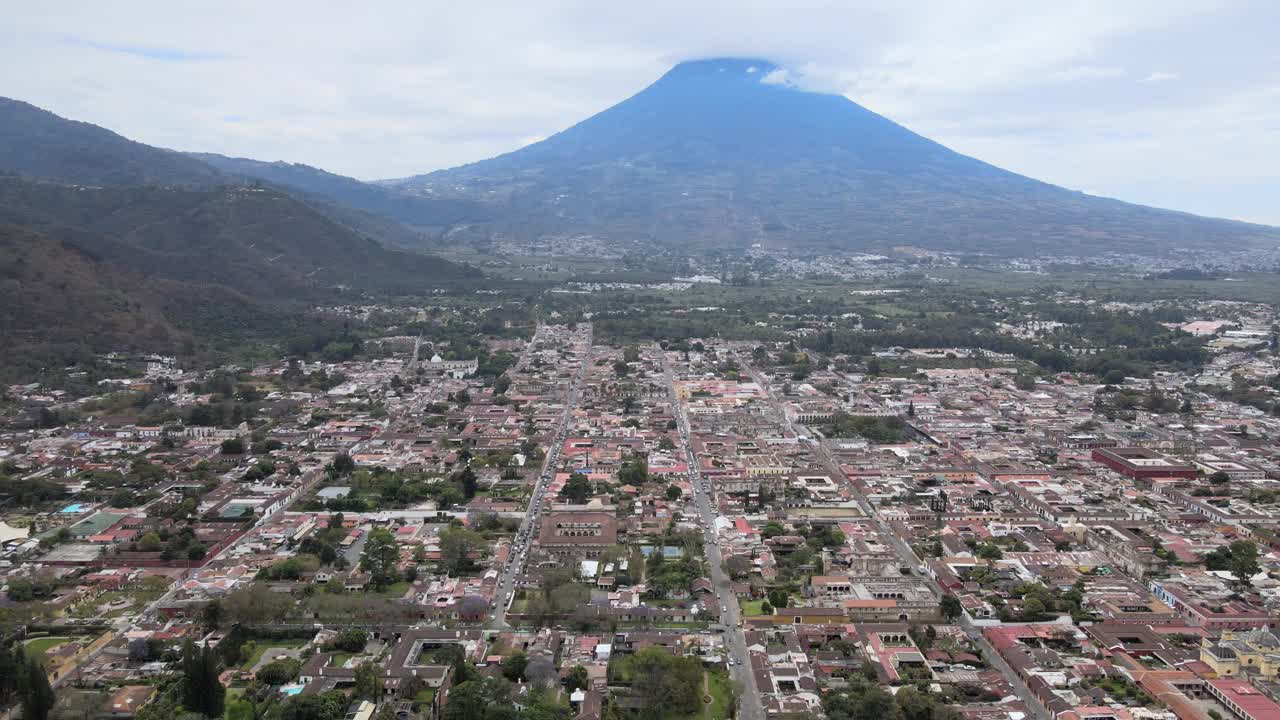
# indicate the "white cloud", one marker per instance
pixel 388 89
pixel 777 76
pixel 1086 72
pixel 1160 77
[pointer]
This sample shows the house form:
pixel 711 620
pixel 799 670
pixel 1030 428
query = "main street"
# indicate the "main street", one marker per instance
pixel 750 706
pixel 505 593
pixel 906 556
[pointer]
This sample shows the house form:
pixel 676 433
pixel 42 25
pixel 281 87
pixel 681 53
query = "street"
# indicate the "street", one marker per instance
pixel 750 705
pixel 505 593
pixel 907 557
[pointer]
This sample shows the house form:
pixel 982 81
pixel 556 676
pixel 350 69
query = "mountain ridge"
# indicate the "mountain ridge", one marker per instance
pixel 713 154
pixel 37 143
pixel 421 214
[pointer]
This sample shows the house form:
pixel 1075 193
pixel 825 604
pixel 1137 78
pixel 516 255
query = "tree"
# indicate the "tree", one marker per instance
pixel 666 684
pixel 877 704
pixel 577 679
pixel 541 672
pixel 240 709
pixel 368 682
pixel 779 598
pixel 1032 608
pixel 256 604
pixel 331 705
pixel 34 690
pixel 951 607
pixel 202 692
pixel 456 547
pixel 212 613
pixel 233 446
pixel 577 488
pixel 78 705
pixel 989 551
pixel 351 640
pixel 381 557
pixel 634 472
pixel 737 566
pixel 343 464
pixel 467 481
pixel 1244 562
pixel 513 666
pixel 278 672
pixel 673 493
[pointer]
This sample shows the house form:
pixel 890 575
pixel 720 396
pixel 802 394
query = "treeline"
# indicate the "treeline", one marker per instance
pixel 880 430
pixel 1121 347
pixel 23 682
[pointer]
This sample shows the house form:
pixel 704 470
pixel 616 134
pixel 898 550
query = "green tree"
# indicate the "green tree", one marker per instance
pixel 634 472
pixel 278 672
pixel 35 692
pixel 202 692
pixel 577 679
pixel 1244 562
pixel 666 684
pixel 577 488
pixel 457 546
pixel 1033 609
pixel 513 666
pixel 989 551
pixel 368 681
pixel 381 557
pixel 951 607
pixel 343 464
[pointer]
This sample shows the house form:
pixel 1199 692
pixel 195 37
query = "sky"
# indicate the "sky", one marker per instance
pixel 1168 103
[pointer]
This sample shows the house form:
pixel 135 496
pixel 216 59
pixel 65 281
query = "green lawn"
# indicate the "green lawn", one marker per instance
pixel 267 645
pixel 752 607
pixel 339 659
pixel 36 648
pixel 718 688
pixel 424 698
pixel 396 589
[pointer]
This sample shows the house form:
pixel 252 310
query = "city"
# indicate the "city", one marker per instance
pixel 794 529
pixel 640 361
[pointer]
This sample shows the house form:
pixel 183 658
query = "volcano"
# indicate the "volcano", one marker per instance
pixel 728 153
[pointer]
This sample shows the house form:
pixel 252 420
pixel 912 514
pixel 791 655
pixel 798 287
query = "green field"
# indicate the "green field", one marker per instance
pixel 39 646
pixel 396 589
pixel 721 697
pixel 268 645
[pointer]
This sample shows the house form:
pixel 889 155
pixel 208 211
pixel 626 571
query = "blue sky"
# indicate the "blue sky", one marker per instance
pixel 1169 103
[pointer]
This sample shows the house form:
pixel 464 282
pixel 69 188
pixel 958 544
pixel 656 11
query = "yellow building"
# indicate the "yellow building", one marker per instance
pixel 1245 652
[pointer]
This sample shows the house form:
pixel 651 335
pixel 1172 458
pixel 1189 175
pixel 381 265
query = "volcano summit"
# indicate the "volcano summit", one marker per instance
pixel 727 153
